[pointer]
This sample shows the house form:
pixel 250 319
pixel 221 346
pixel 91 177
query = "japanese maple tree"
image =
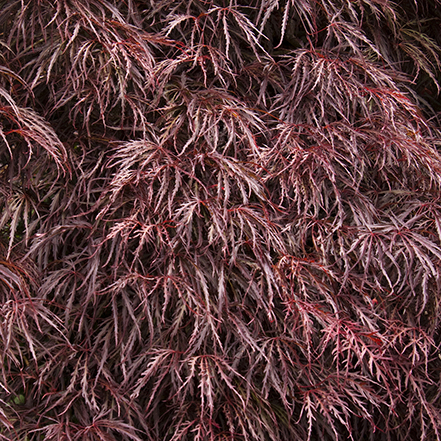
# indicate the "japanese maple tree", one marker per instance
pixel 220 220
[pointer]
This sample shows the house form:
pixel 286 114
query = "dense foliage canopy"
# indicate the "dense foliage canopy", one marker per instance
pixel 220 220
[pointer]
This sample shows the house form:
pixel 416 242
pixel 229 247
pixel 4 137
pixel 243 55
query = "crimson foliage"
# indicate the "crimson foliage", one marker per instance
pixel 220 220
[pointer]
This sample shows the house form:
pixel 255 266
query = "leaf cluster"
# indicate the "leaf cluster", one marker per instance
pixel 220 220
